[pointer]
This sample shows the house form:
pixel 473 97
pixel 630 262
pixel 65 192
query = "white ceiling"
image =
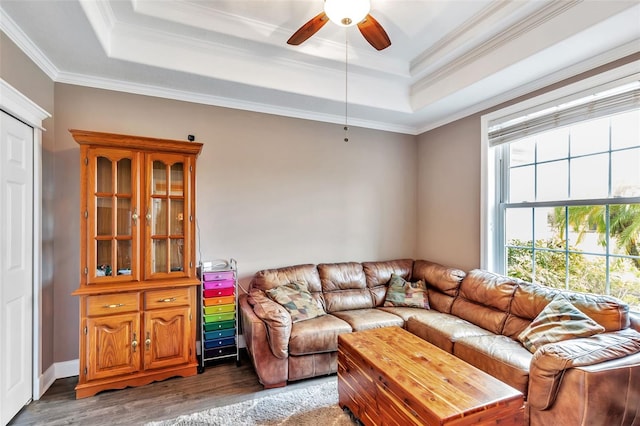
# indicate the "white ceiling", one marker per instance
pixel 448 58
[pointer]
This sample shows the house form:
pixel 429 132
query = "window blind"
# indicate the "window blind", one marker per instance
pixel 594 106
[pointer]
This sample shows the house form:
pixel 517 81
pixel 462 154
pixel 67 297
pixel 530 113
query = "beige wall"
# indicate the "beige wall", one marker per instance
pixel 21 73
pixel 449 194
pixel 271 191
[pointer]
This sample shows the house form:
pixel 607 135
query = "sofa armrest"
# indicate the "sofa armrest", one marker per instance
pixel 272 371
pixel 550 362
pixel 276 319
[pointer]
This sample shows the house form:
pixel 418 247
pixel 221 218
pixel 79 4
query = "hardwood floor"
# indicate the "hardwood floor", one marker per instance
pixel 220 384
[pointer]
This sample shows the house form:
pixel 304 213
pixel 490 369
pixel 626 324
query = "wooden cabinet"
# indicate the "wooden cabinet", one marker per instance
pixel 138 281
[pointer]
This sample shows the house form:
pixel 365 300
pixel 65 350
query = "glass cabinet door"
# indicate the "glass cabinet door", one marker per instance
pixel 167 215
pixel 112 216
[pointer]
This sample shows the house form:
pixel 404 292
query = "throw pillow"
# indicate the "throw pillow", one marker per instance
pixel 558 321
pixel 296 298
pixel 404 293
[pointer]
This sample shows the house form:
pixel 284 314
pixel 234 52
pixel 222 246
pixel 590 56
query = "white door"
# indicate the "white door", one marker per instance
pixel 16 261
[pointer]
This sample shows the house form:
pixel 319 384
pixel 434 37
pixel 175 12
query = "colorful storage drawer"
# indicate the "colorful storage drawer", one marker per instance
pixel 218 292
pixel 211 335
pixel 217 275
pixel 227 300
pixel 222 325
pixel 208 344
pixel 219 322
pixel 220 352
pixel 219 317
pixel 219 309
pixel 208 285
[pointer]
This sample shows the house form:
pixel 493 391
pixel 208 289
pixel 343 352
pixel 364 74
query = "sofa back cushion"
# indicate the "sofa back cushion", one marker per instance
pixel 484 299
pixel 344 286
pixel 443 283
pixel 269 278
pixel 530 299
pixel 378 274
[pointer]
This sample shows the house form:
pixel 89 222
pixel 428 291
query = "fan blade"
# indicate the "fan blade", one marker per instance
pixel 308 29
pixel 374 33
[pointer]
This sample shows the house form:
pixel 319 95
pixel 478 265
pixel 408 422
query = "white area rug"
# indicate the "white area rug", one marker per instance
pixel 316 405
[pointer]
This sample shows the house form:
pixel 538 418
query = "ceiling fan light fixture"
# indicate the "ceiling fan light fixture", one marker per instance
pixel 347 12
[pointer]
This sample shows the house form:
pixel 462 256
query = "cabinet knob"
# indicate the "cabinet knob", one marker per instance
pixel 167 300
pixel 148 341
pixel 135 216
pixel 134 344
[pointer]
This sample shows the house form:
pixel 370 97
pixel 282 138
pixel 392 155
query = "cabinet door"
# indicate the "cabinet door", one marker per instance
pixel 112 237
pixel 113 345
pixel 167 339
pixel 169 216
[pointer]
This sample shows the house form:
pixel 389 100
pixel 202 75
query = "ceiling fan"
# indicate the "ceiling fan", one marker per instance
pixel 345 13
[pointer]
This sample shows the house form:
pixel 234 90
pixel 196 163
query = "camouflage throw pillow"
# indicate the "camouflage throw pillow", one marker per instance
pixel 558 321
pixel 404 293
pixel 297 300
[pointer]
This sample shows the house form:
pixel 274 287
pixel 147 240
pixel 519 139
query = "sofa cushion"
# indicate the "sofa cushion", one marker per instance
pixel 378 275
pixel 484 299
pixel 319 334
pixel 403 312
pixel 558 321
pixel 499 356
pixel 442 282
pixel 442 330
pixel 269 278
pixel 344 286
pixel 404 293
pixel 297 300
pixel 365 319
pixel 530 299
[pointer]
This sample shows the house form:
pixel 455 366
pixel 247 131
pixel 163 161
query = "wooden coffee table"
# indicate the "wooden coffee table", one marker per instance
pixel 389 376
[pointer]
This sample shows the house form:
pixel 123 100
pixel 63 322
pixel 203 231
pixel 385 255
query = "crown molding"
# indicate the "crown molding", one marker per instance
pixel 102 20
pixel 566 73
pixel 467 31
pixel 225 102
pixel 24 43
pixel 534 21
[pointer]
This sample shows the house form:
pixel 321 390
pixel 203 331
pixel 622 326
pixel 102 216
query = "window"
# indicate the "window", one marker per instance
pixel 566 185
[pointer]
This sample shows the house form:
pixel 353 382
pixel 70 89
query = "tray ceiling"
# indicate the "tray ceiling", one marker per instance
pixel 448 59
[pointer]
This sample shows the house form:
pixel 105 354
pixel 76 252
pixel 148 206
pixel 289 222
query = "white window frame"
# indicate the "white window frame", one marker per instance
pixel 491 223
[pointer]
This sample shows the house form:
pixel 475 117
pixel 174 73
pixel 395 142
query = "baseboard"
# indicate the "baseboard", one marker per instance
pixel 67 368
pixel 58 370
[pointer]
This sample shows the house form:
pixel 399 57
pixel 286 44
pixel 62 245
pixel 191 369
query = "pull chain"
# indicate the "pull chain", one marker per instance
pixel 346 86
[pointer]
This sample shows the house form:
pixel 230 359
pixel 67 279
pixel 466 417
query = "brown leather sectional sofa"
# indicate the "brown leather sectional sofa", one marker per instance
pixel 475 316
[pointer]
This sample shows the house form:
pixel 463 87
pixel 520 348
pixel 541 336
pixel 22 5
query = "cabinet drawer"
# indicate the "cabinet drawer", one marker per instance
pixel 165 298
pixel 107 304
pixel 212 301
pixel 219 309
pixel 209 285
pixel 217 275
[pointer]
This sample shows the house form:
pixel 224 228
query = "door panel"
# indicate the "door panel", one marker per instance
pixel 113 345
pixel 16 265
pixel 167 337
